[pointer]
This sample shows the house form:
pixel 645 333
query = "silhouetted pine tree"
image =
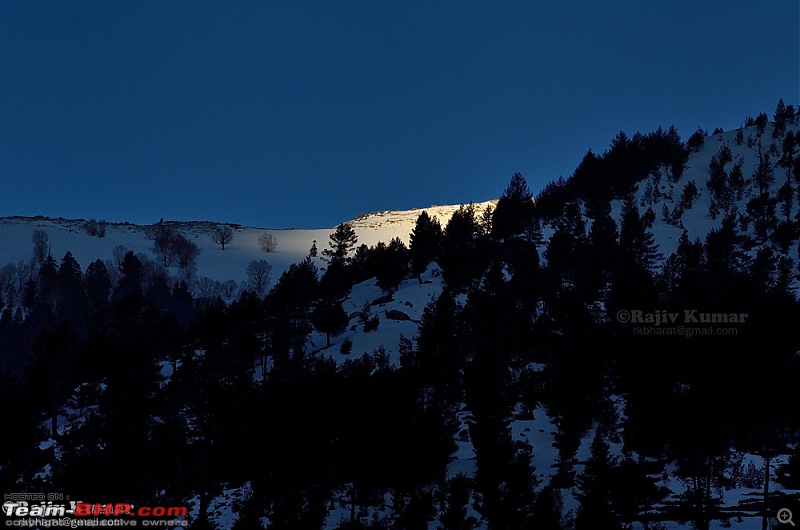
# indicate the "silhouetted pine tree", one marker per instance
pixel 439 360
pixel 548 510
pixel 515 209
pixel 330 318
pixel 603 249
pixel 634 238
pixel 460 261
pixel 453 507
pixel 391 262
pixel 424 242
pixel 761 209
pixel 595 489
pixel 342 241
pixel 289 306
pixel 780 118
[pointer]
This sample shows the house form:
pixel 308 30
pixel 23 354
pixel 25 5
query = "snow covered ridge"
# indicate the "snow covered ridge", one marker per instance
pixel 293 245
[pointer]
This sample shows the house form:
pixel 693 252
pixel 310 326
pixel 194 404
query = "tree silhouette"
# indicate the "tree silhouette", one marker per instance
pixel 424 243
pixel 222 235
pixel 515 209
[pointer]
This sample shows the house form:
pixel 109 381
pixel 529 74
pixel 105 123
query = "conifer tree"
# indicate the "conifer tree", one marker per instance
pixel 457 256
pixel 486 221
pixel 330 318
pixel 454 514
pixel 594 489
pixel 440 357
pixel 761 123
pixel 515 209
pixel 780 118
pixel 342 241
pixel 71 295
pixel 603 248
pixel 424 243
pixel 723 249
pixel 336 281
pixel 634 238
pixel 787 162
pixel 566 253
pixel 48 282
pixel 391 265
pixel 289 306
pixel 98 283
pixel 762 206
pixel 736 180
pixel 548 510
pixel 689 195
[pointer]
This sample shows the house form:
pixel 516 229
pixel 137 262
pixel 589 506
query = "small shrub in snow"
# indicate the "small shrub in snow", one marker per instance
pixel 372 324
pixel 370 321
pixel 753 476
pixel 95 228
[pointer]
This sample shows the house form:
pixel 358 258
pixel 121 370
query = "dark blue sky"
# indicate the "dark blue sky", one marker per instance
pixel 305 114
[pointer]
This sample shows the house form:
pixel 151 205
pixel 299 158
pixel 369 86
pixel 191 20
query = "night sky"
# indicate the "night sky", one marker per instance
pixel 306 114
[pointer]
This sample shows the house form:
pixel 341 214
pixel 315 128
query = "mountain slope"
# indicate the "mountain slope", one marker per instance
pixel 516 398
pixel 292 244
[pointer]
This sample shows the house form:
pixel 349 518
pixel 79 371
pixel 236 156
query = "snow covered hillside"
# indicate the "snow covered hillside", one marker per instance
pixel 490 384
pixel 659 192
pixel 293 245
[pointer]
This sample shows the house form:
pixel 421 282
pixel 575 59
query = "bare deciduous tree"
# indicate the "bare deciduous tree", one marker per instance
pixel 118 253
pixel 222 235
pixel 258 276
pixel 207 288
pixel 229 288
pixel 95 228
pixel 162 235
pixel 41 245
pixel 185 250
pixel 267 242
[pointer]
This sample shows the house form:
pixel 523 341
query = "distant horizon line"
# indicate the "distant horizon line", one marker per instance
pixel 42 217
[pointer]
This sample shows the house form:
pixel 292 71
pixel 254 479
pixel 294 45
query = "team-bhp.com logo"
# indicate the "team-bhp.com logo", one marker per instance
pixel 85 509
pixel 31 510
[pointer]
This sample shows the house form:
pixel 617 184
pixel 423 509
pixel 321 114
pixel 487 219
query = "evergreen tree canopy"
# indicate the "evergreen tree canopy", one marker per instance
pixel 515 209
pixel 342 241
pixel 634 238
pixel 424 242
